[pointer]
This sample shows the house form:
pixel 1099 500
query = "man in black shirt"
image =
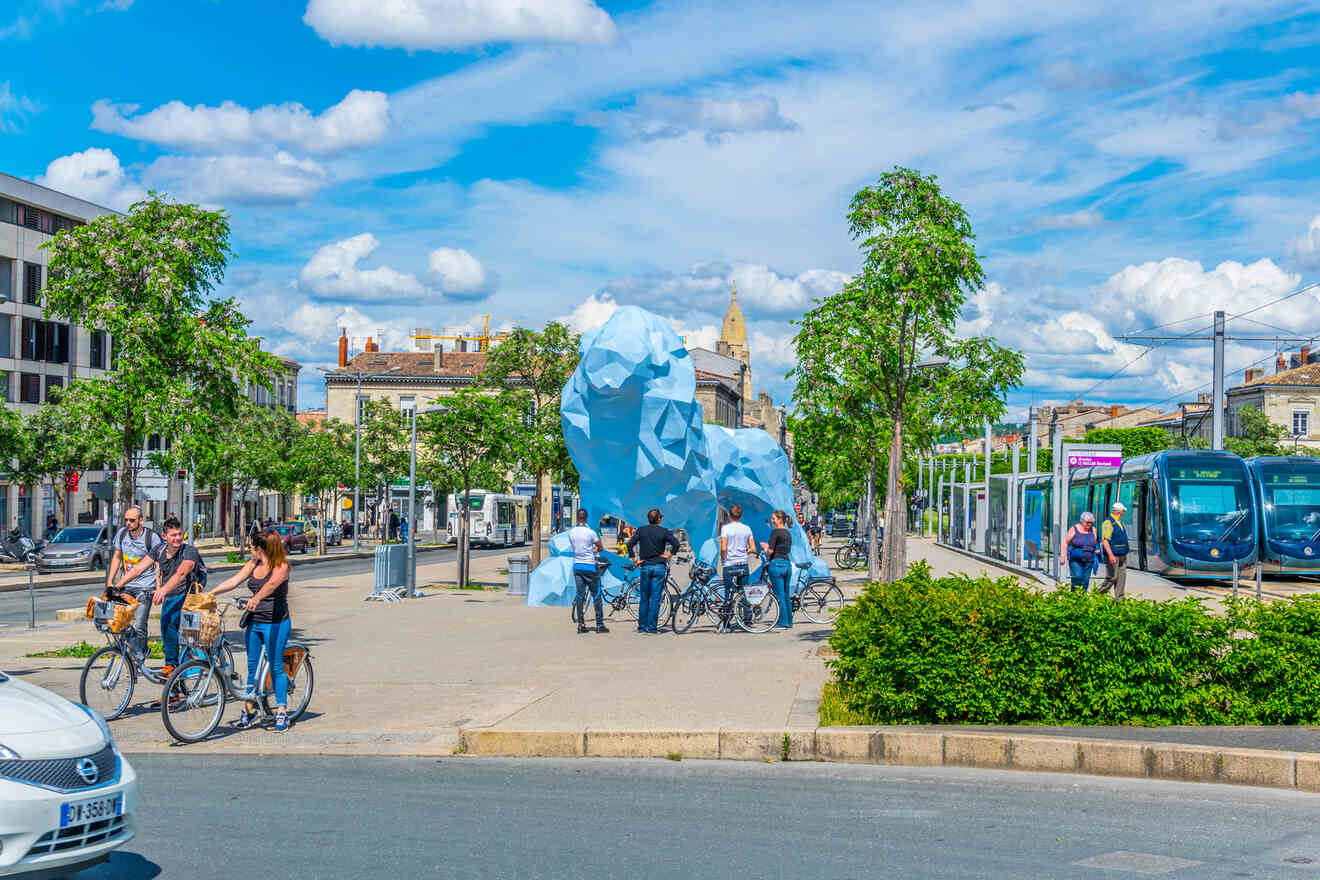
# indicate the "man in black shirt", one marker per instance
pixel 650 543
pixel 177 562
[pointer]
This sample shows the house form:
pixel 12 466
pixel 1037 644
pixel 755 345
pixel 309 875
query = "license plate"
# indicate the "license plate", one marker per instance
pixel 82 812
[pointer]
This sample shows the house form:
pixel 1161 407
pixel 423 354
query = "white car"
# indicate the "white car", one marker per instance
pixel 66 794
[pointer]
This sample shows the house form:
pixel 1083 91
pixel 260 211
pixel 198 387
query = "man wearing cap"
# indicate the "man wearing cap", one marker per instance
pixel 1114 544
pixel 1079 548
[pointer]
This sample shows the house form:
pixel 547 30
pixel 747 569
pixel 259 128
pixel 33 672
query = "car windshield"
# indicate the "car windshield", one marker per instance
pixel 84 535
pixel 1291 493
pixel 283 530
pixel 1209 501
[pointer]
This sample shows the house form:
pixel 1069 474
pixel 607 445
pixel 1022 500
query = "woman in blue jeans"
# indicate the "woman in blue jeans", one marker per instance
pixel 781 565
pixel 1079 546
pixel 267 576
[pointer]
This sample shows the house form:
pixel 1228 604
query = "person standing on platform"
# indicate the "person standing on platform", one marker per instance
pixel 653 544
pixel 778 548
pixel 586 544
pixel 1079 548
pixel 736 546
pixel 1114 544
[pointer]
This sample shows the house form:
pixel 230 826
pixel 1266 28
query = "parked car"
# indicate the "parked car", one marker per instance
pixel 294 538
pixel 307 525
pixel 346 528
pixel 82 547
pixel 67 796
pixel 333 535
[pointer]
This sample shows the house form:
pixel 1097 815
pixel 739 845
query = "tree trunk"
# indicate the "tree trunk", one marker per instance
pixel 872 556
pixel 463 536
pixel 537 499
pixel 894 563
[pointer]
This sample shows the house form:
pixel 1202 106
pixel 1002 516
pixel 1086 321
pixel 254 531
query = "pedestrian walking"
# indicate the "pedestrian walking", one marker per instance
pixel 1114 544
pixel 736 544
pixel 653 544
pixel 1079 548
pixel 394 524
pixel 815 532
pixel 586 544
pixel 403 528
pixel 266 575
pixel 778 549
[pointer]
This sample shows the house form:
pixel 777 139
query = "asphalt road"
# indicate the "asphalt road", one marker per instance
pixel 204 817
pixel 14 606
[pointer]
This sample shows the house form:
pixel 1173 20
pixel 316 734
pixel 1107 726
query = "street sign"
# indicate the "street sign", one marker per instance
pixel 1081 455
pixel 347 503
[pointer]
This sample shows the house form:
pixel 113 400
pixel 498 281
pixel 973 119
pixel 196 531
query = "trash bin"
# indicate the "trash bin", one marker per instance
pixel 520 568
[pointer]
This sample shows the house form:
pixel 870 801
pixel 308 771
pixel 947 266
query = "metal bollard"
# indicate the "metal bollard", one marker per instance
pixel 1235 578
pixel 32 597
pixel 1258 578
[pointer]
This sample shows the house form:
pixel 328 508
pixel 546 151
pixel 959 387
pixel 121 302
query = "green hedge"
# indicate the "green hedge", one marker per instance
pixel 983 651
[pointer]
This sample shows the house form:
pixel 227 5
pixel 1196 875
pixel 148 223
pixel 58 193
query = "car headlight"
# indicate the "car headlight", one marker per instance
pixel 100 722
pixel 8 754
pixel 87 552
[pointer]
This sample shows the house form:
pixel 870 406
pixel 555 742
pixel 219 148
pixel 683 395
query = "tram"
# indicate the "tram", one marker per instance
pixel 1287 495
pixel 1190 513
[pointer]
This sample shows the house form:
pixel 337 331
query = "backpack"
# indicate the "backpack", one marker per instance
pixel 147 536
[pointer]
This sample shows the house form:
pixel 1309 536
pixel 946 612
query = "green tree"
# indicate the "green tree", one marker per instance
pixel 538 364
pixel 830 456
pixel 11 443
pixel 386 446
pixel 860 350
pixel 1257 435
pixel 52 446
pixel 471 441
pixel 1135 441
pixel 147 278
pixel 321 459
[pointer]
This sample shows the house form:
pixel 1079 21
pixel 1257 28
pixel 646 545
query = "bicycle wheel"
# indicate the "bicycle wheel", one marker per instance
pixel 716 600
pixel 821 601
pixel 756 617
pixel 300 691
pixel 107 682
pixel 632 600
pixel 193 701
pixel 843 557
pixel 687 608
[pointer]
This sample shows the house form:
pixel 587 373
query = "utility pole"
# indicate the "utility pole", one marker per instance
pixel 1217 386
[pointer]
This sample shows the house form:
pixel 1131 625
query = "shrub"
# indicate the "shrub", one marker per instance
pixel 985 651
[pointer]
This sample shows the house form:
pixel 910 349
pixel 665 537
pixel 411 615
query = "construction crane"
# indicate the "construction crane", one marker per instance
pixel 482 339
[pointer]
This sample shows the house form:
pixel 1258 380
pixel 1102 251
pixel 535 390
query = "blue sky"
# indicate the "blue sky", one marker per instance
pixel 425 162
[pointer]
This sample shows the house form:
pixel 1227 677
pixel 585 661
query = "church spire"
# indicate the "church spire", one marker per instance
pixel 734 331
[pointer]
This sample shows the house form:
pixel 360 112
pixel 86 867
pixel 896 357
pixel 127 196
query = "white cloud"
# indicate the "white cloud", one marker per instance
pixel 703 336
pixel 1306 106
pixel 591 313
pixel 117 5
pixel 657 117
pixel 1086 219
pixel 452 24
pixel 707 286
pixel 277 179
pixel 460 275
pixel 361 118
pixel 15 109
pixel 772 353
pixel 94 175
pixel 1305 248
pixel 333 273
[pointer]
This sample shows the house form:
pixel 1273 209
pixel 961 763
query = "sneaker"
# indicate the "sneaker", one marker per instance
pixel 601 628
pixel 165 671
pixel 582 628
pixel 246 719
pixel 281 722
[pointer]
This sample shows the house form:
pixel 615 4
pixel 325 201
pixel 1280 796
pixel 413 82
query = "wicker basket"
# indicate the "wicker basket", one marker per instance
pixel 199 627
pixel 124 610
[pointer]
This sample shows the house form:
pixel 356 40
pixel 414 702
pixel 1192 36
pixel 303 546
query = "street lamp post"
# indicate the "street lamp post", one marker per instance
pixel 357 445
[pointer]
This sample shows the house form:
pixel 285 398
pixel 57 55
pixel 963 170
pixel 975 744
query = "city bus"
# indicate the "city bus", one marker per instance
pixel 494 519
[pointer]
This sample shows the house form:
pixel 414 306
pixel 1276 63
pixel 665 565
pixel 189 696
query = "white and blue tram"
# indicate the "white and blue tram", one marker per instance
pixel 1287 494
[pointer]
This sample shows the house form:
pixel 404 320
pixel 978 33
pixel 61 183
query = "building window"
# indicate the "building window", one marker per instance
pixel 7 211
pixel 97 350
pixel 29 387
pixel 6 279
pixel 407 405
pixel 153 443
pixel 1301 423
pixel 31 283
pixel 6 336
pixel 54 385
pixel 44 341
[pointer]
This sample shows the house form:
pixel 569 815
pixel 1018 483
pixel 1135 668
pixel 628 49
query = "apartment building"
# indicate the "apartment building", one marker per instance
pixel 38 356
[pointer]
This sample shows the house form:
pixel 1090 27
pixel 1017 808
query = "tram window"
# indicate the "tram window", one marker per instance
pixel 1125 494
pixel 1078 497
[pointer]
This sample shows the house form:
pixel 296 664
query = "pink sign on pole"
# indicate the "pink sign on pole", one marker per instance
pixel 1095 460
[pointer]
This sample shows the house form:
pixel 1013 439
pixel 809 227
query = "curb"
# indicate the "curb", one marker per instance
pixel 46 582
pixel 1299 771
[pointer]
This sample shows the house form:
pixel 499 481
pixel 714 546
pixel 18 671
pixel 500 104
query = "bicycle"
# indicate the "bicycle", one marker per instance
pixel 199 688
pixel 751 607
pixel 818 599
pixel 851 555
pixel 113 671
pixel 627 596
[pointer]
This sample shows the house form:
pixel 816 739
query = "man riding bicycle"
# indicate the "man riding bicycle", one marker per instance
pixel 178 563
pixel 133 543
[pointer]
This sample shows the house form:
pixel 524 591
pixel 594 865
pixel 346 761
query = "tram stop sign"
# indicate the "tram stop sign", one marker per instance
pixel 1080 455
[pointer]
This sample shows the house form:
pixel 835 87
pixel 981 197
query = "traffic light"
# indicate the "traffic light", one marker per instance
pixel 181 474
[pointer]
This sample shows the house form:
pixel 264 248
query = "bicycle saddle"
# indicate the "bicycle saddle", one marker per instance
pixel 630 565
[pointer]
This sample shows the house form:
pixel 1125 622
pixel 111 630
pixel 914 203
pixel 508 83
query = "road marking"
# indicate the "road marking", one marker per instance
pixel 1149 864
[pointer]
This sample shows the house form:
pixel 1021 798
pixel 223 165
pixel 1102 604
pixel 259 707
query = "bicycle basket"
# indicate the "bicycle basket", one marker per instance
pixel 121 614
pixel 199 627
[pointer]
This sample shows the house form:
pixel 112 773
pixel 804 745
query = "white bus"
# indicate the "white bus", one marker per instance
pixel 494 519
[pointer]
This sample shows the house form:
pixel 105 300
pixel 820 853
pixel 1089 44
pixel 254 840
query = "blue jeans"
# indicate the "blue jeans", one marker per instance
pixel 586 582
pixel 1080 574
pixel 779 573
pixel 170 610
pixel 652 588
pixel 735 576
pixel 272 637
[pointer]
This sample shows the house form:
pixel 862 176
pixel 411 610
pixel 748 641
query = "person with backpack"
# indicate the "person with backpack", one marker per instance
pixel 181 568
pixel 133 543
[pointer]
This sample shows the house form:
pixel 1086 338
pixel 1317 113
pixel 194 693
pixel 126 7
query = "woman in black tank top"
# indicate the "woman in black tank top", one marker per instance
pixel 267 576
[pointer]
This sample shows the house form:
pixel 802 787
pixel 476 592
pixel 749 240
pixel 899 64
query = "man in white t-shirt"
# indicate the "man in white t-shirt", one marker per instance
pixel 586 544
pixel 736 543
